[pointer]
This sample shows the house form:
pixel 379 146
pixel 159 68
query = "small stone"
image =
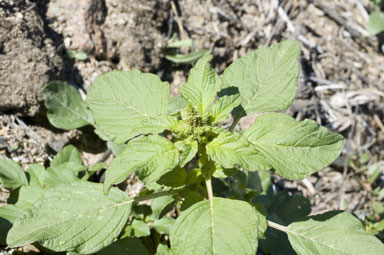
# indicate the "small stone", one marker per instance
pixel 67 42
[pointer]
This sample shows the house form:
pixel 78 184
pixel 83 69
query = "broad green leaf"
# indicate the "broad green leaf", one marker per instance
pixel 186 58
pixel 332 233
pixel 66 108
pixel 376 23
pixel 189 151
pixel 266 78
pixel 37 175
pixel 126 246
pixel 75 217
pixel 157 124
pixel 175 104
pixel 12 175
pixel 68 154
pixel 231 149
pixel 120 101
pixel 202 85
pixel 294 149
pixel 149 156
pixel 223 107
pixel 174 178
pixel 8 214
pixel 228 227
pixel 63 173
pixel 163 225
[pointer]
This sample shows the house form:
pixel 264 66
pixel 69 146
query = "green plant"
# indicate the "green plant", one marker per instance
pixel 375 23
pixel 210 188
pixel 170 51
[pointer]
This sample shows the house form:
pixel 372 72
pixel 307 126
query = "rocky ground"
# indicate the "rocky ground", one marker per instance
pixel 341 83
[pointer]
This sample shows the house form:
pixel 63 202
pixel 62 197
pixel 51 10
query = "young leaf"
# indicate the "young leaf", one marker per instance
pixel 66 108
pixel 37 175
pixel 163 225
pixel 97 167
pixel 202 85
pixel 376 23
pixel 245 185
pixel 174 43
pixel 266 78
pixel 186 58
pixel 224 172
pixel 157 125
pixel 223 107
pixel 12 175
pixel 137 228
pixel 189 151
pixel 75 217
pixel 149 156
pixel 126 246
pixel 161 206
pixel 228 227
pixel 68 154
pixel 332 233
pixel 175 104
pixel 231 149
pixel 294 149
pixel 120 101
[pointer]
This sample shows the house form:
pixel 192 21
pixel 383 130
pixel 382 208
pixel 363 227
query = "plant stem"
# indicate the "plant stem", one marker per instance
pixel 277 226
pixel 234 123
pixel 156 195
pixel 208 185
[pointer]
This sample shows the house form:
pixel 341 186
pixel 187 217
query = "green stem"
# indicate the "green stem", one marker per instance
pixel 277 226
pixel 234 123
pixel 158 194
pixel 208 185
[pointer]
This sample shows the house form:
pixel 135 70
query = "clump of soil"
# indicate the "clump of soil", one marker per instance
pixel 133 32
pixel 28 59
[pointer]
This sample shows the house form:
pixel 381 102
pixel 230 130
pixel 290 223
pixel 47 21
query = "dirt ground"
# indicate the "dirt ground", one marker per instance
pixel 341 84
